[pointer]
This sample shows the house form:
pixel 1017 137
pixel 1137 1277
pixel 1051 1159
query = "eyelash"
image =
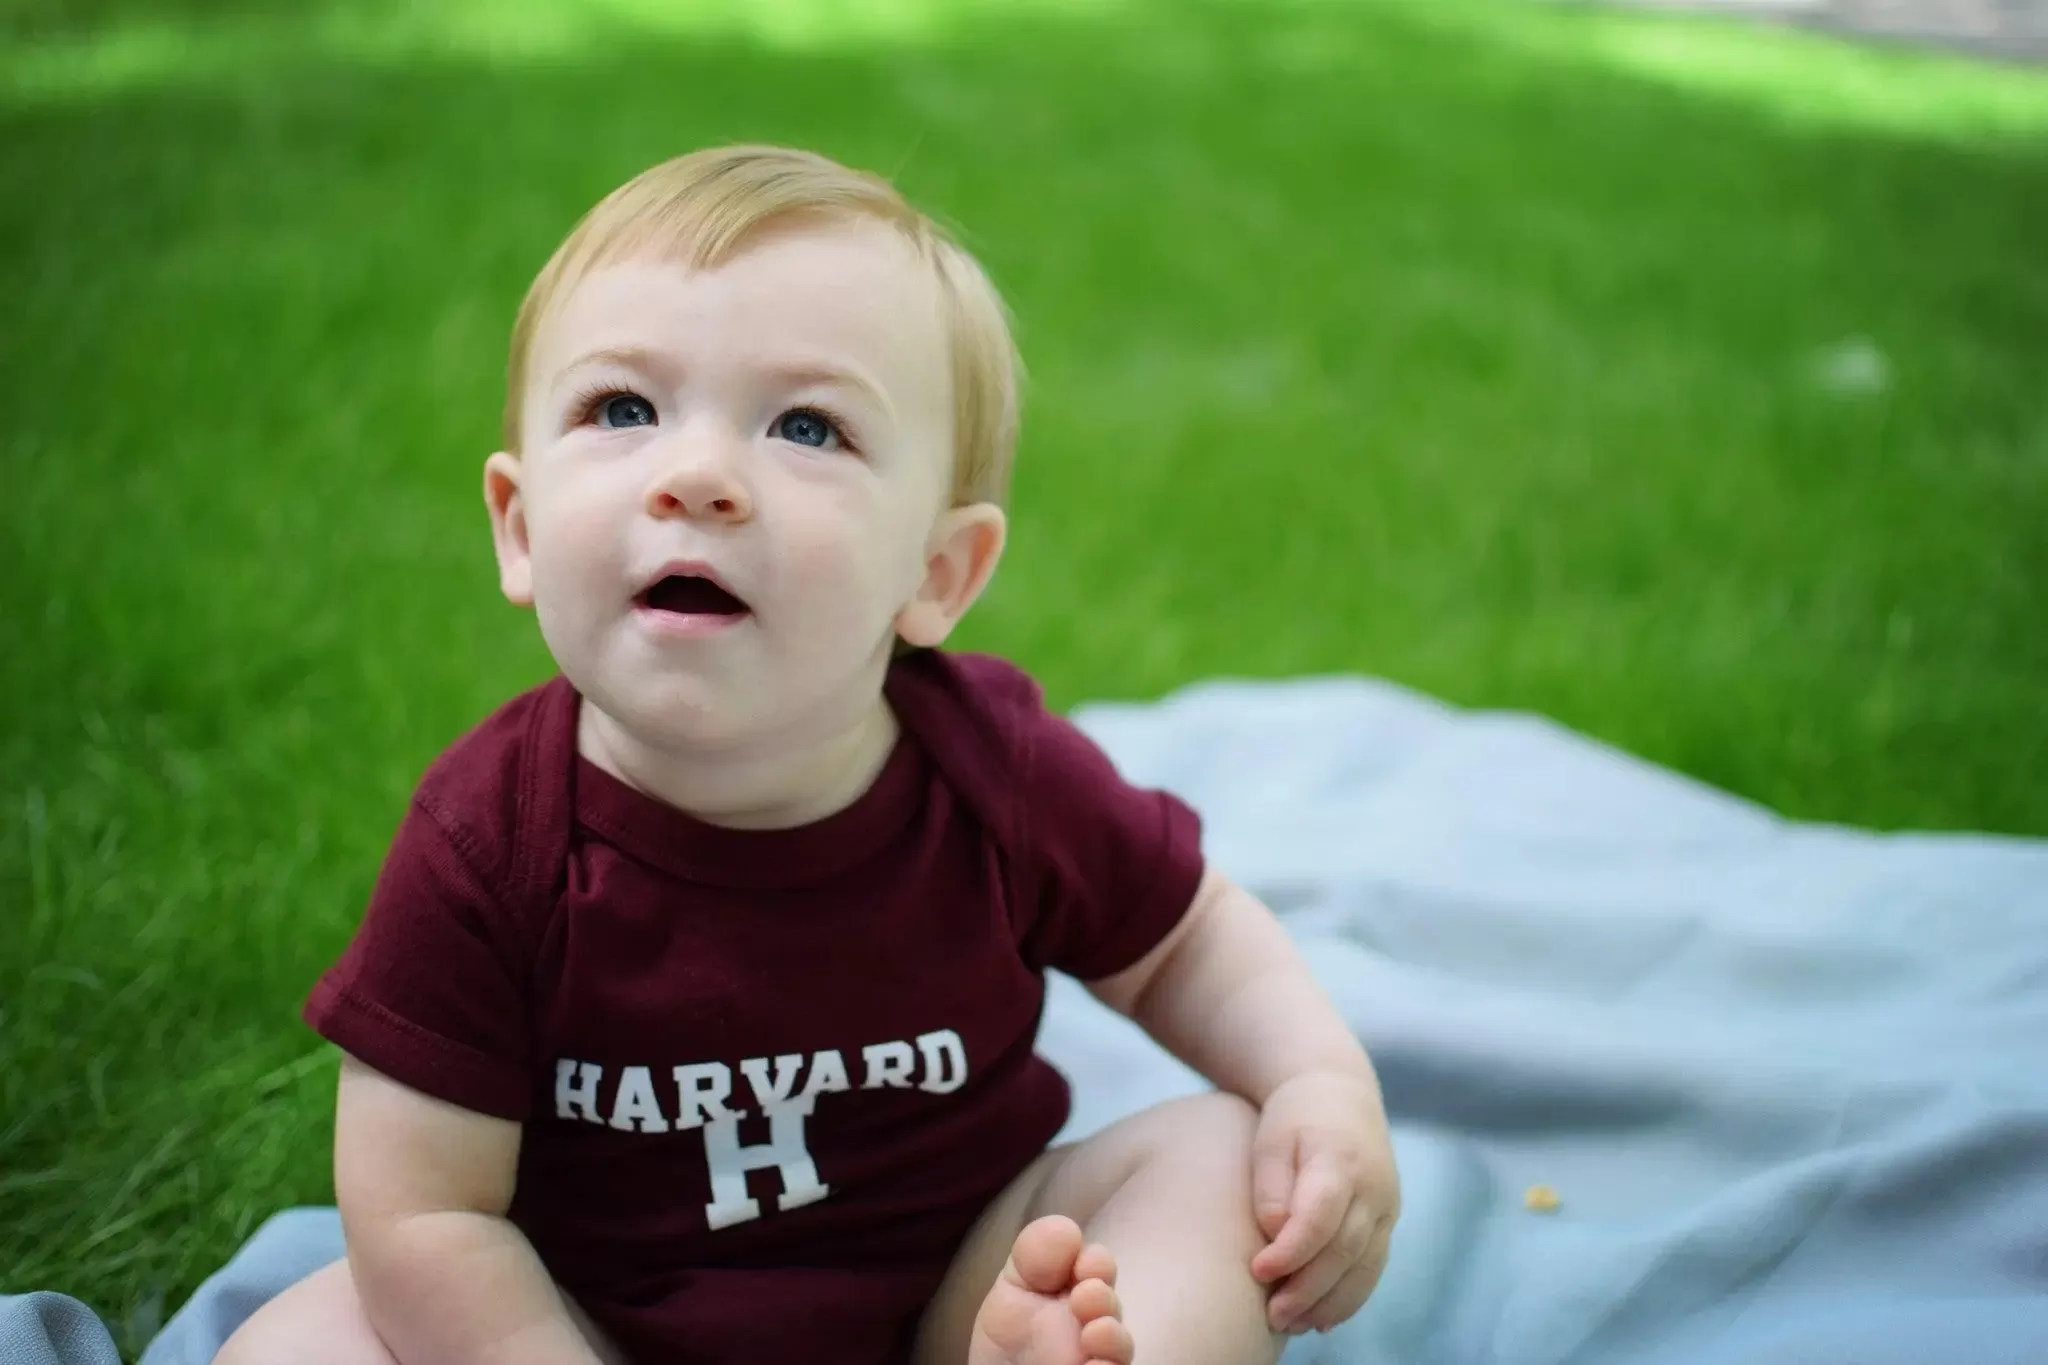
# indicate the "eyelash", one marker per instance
pixel 589 400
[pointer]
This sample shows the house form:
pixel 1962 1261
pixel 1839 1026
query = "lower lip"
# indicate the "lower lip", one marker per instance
pixel 686 625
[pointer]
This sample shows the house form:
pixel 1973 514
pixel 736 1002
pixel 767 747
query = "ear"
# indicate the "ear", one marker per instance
pixel 502 473
pixel 960 557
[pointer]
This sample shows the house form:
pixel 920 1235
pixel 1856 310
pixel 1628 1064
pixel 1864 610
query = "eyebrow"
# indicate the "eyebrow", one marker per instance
pixel 824 374
pixel 626 357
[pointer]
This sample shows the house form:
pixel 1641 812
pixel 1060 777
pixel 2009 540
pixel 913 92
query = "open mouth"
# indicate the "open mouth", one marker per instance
pixel 681 594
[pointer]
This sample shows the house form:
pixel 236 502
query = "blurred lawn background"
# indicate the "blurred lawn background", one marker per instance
pixel 1679 380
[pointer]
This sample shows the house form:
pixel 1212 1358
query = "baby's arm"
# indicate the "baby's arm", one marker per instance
pixel 424 1187
pixel 1228 994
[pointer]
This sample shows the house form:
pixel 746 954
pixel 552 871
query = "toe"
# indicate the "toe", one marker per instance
pixel 1096 1262
pixel 1093 1299
pixel 1106 1341
pixel 1042 1259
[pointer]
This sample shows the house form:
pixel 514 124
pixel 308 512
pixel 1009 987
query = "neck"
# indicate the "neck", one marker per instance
pixel 778 783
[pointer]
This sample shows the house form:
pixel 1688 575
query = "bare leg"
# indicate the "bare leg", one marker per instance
pixel 320 1321
pixel 1167 1193
pixel 315 1322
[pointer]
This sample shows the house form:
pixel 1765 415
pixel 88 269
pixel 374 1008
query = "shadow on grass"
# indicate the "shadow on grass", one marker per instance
pixel 1359 343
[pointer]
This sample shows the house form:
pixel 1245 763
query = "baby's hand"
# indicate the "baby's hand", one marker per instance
pixel 1326 1195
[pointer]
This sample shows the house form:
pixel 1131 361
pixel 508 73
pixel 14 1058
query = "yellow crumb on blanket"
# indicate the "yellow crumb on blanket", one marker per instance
pixel 1541 1199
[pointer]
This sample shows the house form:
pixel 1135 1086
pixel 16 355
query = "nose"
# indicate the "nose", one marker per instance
pixel 699 480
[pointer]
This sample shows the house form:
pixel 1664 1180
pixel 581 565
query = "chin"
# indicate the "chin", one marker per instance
pixel 683 719
pixel 673 712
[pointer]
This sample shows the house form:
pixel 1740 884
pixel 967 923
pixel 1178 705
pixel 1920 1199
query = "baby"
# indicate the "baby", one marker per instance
pixel 693 1015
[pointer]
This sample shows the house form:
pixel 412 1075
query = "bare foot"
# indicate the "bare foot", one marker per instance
pixel 1055 1304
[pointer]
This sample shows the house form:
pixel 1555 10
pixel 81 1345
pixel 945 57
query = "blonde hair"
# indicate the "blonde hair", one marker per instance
pixel 701 208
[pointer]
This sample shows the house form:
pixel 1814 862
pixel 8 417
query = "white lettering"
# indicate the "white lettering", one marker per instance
pixel 784 1150
pixel 939 1049
pixel 582 1094
pixel 701 1088
pixel 828 1072
pixel 889 1064
pixel 636 1103
pixel 765 1093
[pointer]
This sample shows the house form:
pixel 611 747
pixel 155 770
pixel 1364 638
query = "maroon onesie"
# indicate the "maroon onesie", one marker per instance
pixel 768 1079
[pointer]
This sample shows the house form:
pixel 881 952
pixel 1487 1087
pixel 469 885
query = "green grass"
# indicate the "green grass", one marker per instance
pixel 1470 345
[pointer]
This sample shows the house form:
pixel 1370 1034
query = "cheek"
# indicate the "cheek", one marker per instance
pixel 573 527
pixel 854 555
pixel 577 562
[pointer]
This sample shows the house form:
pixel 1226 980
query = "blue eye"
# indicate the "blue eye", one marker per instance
pixel 625 410
pixel 803 427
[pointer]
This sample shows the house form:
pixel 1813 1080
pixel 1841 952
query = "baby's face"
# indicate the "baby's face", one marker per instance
pixel 729 478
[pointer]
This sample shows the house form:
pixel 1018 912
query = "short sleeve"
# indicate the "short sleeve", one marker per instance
pixel 1118 864
pixel 431 991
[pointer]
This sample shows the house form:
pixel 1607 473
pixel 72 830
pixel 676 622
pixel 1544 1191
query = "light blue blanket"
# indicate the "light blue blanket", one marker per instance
pixel 1790 1083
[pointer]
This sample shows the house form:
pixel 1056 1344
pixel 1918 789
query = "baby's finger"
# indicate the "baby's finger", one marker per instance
pixel 1273 1156
pixel 1350 1293
pixel 1321 1197
pixel 1299 1293
pixel 1296 1298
